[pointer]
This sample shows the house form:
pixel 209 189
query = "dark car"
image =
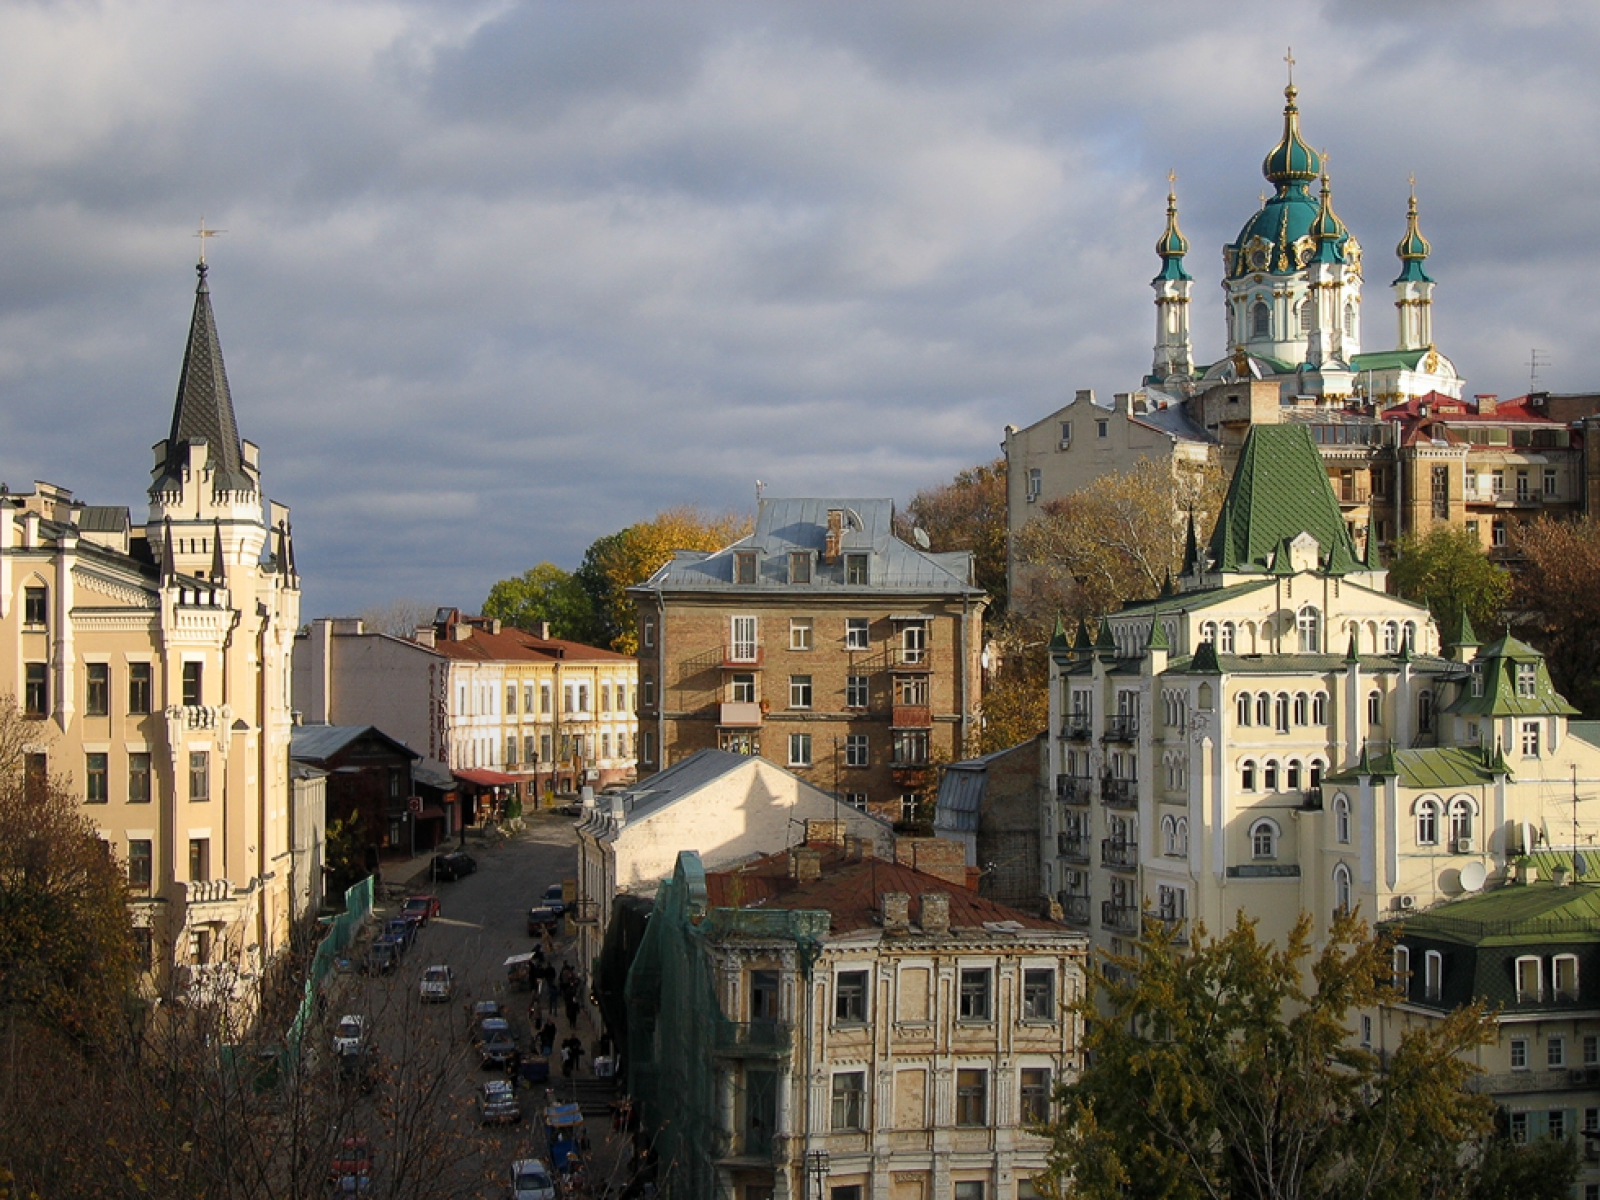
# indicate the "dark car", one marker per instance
pixel 383 957
pixel 541 918
pixel 421 909
pixel 453 866
pixel 496 1044
pixel 358 1069
pixel 400 930
pixel 554 898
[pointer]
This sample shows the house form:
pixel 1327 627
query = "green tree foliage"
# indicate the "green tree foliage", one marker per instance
pixel 1228 1070
pixel 1557 596
pixel 544 593
pixel 968 513
pixel 1447 570
pixel 66 941
pixel 1117 540
pixel 618 561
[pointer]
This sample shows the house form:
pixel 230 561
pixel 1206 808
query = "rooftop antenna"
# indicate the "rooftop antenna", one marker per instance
pixel 1536 359
pixel 760 487
pixel 203 234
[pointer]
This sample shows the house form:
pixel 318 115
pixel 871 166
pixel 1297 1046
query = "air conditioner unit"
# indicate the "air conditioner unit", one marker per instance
pixel 1066 443
pixel 1466 845
pixel 1405 903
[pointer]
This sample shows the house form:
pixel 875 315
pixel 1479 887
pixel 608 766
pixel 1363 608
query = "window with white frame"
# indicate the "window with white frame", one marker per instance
pixel 857 633
pixel 1225 645
pixel 1302 708
pixel 1527 679
pixel 799 749
pixel 742 687
pixel 1401 976
pixel 1530 978
pixel 1244 705
pixel 856 800
pixel 850 995
pixel 1172 903
pixel 1280 712
pixel 1391 637
pixel 743 647
pixel 855 691
pixel 1374 708
pixel 1343 890
pixel 1269 776
pixel 799 633
pixel 1564 976
pixel 1039 994
pixel 849 1100
pixel 1341 819
pixel 1035 483
pixel 799 691
pixel 800 566
pixel 1432 975
pixel 1427 821
pixel 1292 775
pixel 1517 1126
pixel 1208 632
pixel 1530 739
pixel 1264 839
pixel 1519 1054
pixel 1309 625
pixel 856 752
pixel 1591 1050
pixel 1264 709
pixel 1319 708
pixel 1247 775
pixel 1460 819
pixel 914 643
pixel 1555 1051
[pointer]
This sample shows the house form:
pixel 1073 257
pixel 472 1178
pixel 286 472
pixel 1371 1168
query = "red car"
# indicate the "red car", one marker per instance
pixel 421 909
pixel 351 1169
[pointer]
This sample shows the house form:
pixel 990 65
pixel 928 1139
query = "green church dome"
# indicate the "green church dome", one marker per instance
pixel 1291 160
pixel 1413 249
pixel 1172 245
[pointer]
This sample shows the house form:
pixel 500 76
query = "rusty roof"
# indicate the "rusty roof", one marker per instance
pixel 518 645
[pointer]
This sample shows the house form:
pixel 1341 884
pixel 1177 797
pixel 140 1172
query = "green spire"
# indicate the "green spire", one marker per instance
pixel 1158 636
pixel 1172 245
pixel 1084 642
pixel 1058 639
pixel 1413 248
pixel 1105 641
pixel 1205 661
pixel 1167 590
pixel 1465 634
pixel 1327 229
pixel 1351 655
pixel 1279 490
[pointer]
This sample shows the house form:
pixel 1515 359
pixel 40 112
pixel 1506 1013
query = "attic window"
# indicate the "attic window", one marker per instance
pixel 744 566
pixel 800 567
pixel 1527 676
pixel 855 570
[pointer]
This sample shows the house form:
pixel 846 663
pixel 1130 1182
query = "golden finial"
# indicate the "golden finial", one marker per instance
pixel 203 234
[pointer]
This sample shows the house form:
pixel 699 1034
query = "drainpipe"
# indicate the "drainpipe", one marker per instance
pixel 661 682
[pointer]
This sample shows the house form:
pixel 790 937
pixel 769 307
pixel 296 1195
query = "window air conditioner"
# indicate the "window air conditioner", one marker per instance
pixel 1405 903
pixel 1066 443
pixel 1466 845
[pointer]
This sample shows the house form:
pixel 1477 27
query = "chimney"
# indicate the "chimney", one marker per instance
pixel 805 864
pixel 619 816
pixel 1487 402
pixel 895 909
pixel 541 630
pixel 460 631
pixel 830 551
pixel 1084 396
pixel 936 912
pixel 494 625
pixel 825 833
pixel 425 636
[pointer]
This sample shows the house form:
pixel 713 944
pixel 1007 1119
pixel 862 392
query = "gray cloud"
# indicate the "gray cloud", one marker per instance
pixel 500 279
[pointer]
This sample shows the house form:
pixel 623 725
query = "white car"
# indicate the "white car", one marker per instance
pixel 437 983
pixel 530 1180
pixel 350 1034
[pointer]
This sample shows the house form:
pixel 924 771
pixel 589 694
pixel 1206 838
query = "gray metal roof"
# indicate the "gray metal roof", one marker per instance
pixel 1173 421
pixel 317 743
pixel 787 526
pixel 103 518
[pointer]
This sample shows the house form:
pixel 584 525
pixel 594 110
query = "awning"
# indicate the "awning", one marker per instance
pixel 486 778
pixel 515 959
pixel 431 812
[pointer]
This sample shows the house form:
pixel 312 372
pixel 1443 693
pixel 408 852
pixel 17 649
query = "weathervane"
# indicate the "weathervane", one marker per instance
pixel 203 234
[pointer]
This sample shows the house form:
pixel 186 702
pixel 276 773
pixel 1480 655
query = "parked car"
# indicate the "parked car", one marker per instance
pixel 496 1044
pixel 358 1069
pixel 483 1010
pixel 498 1102
pixel 383 956
pixel 531 1180
pixel 554 898
pixel 438 983
pixel 350 1034
pixel 541 918
pixel 453 866
pixel 401 931
pixel 421 909
pixel 350 1171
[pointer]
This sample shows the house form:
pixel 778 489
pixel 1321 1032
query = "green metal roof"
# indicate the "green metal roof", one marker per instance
pixel 1498 663
pixel 1588 731
pixel 1388 360
pixel 1515 915
pixel 1428 768
pixel 1279 491
pixel 1194 601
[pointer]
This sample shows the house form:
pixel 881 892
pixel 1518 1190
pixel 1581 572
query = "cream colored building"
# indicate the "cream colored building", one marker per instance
pixel 1280 735
pixel 819 1023
pixel 153 662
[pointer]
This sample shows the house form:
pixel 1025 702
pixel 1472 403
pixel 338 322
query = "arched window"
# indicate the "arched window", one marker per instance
pixel 1461 820
pixel 1341 819
pixel 1208 632
pixel 1264 839
pixel 1309 623
pixel 1316 772
pixel 1292 775
pixel 1203 699
pixel 1349 320
pixel 1264 709
pixel 1305 316
pixel 1411 637
pixel 1428 821
pixel 1260 320
pixel 1269 775
pixel 1343 897
pixel 1424 712
pixel 1247 775
pixel 1402 969
pixel 1226 645
pixel 1432 975
pixel 1391 638
pixel 1302 708
pixel 1182 831
pixel 1242 705
pixel 1280 713
pixel 1319 708
pixel 1374 708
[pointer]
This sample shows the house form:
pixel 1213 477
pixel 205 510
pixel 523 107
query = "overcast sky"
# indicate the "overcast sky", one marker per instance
pixel 498 279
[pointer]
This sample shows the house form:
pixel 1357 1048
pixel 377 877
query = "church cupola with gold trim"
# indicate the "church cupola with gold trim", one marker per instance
pixel 1174 355
pixel 1413 289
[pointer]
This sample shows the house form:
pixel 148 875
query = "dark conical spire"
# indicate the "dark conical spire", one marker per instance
pixel 281 558
pixel 1058 639
pixel 204 408
pixel 1191 549
pixel 218 570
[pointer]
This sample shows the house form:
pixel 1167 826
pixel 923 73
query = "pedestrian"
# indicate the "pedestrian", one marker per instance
pixel 514 1068
pixel 573 1048
pixel 567 1061
pixel 572 1010
pixel 547 1037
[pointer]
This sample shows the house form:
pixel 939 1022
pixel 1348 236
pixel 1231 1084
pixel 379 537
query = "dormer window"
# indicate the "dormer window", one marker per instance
pixel 1477 679
pixel 1530 979
pixel 1527 677
pixel 744 566
pixel 855 570
pixel 800 567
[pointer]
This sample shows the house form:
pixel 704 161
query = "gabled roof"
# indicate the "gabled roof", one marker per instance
pixel 1279 491
pixel 318 743
pixel 1498 663
pixel 787 526
pixel 517 645
pixel 204 408
pixel 1426 768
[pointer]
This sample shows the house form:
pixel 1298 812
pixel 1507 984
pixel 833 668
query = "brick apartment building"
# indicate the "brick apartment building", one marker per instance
pixel 821 642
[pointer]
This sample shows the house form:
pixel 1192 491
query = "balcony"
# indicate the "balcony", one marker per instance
pixel 1313 799
pixel 1075 910
pixel 904 659
pixel 752 1039
pixel 1077 727
pixel 1177 927
pixel 213 891
pixel 1073 848
pixel 1118 854
pixel 1119 918
pixel 741 657
pixel 1124 727
pixel 1353 496
pixel 739 714
pixel 1119 793
pixel 1535 1081
pixel 1074 789
pixel 911 716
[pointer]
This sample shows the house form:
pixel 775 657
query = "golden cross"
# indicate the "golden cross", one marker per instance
pixel 203 234
pixel 1172 177
pixel 1412 180
pixel 1289 58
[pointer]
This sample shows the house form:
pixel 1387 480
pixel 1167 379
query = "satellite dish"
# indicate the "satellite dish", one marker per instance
pixel 1580 864
pixel 920 535
pixel 1472 876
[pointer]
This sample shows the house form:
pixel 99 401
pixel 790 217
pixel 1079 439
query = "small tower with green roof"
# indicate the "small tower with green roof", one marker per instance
pixel 1413 290
pixel 1174 356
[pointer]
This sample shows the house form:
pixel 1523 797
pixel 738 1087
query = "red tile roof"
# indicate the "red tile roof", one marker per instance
pixel 1446 408
pixel 849 890
pixel 516 645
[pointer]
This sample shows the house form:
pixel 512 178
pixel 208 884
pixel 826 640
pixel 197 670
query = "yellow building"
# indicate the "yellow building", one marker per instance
pixel 152 662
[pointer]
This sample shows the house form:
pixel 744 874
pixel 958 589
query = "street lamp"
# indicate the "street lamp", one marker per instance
pixel 817 1167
